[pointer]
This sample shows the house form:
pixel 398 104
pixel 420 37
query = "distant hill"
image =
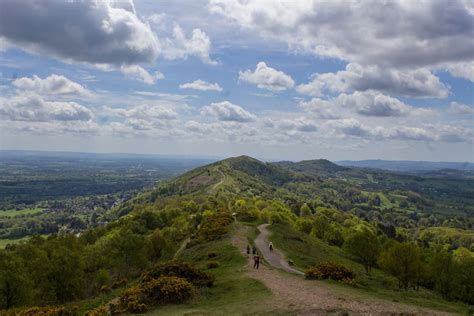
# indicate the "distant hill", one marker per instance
pixel 313 168
pixel 407 166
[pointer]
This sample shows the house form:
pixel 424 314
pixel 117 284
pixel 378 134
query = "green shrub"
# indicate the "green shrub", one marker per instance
pixel 213 227
pixel 120 283
pixel 142 297
pixel 179 269
pixel 212 264
pixel 99 311
pixel 330 270
pixel 43 311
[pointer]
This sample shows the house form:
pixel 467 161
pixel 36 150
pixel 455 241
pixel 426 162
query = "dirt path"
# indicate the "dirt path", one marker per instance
pixel 215 186
pixel 310 297
pixel 275 258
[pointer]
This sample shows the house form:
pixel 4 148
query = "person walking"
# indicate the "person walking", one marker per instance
pixel 248 251
pixel 256 261
pixel 270 246
pixel 254 250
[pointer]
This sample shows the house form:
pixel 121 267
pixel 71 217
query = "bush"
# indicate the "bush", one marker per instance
pixel 212 264
pixel 182 270
pixel 213 227
pixel 120 283
pixel 43 311
pixel 330 270
pixel 144 296
pixel 99 311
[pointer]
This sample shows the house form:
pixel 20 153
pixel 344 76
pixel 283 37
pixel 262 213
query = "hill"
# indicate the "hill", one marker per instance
pixel 408 166
pixel 326 220
pixel 314 168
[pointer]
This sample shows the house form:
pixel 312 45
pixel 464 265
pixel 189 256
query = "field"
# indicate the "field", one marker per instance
pixel 26 211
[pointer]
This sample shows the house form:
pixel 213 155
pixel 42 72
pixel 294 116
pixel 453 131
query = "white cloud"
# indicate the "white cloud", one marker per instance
pixel 32 107
pixel 413 83
pixel 95 32
pixel 138 72
pixel 180 47
pixel 201 85
pixel 373 104
pixel 226 111
pixel 300 124
pixel 426 133
pixel 322 109
pixel 395 33
pixel 55 128
pixel 145 112
pixel 462 70
pixel 52 85
pixel 459 108
pixel 267 78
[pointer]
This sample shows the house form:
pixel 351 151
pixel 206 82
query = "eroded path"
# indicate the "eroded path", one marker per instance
pixel 215 186
pixel 310 297
pixel 275 258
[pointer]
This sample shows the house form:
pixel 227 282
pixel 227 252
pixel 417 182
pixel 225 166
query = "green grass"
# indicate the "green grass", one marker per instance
pixel 26 211
pixel 306 251
pixel 233 292
pixel 5 242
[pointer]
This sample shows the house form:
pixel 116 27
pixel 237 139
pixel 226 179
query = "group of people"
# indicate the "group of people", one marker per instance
pixel 256 256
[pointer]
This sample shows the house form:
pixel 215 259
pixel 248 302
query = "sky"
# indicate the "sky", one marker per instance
pixel 277 80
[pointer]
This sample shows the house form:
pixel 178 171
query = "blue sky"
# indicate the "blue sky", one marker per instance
pixel 271 79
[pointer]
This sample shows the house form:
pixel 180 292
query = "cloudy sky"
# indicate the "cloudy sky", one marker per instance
pixel 273 79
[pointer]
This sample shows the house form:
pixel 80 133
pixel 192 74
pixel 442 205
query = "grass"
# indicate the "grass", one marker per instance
pixel 306 251
pixel 233 292
pixel 5 242
pixel 26 211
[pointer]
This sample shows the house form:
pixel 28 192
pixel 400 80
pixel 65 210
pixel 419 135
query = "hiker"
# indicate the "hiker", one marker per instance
pixel 254 250
pixel 248 250
pixel 270 246
pixel 256 260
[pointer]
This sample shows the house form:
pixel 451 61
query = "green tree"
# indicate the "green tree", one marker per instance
pixel 402 260
pixel 442 271
pixel 364 245
pixel 128 252
pixel 15 285
pixel 305 210
pixel 320 226
pixel 158 244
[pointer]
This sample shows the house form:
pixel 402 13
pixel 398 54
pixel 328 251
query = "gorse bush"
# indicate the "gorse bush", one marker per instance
pixel 179 269
pixel 168 282
pixel 330 270
pixel 151 292
pixel 42 311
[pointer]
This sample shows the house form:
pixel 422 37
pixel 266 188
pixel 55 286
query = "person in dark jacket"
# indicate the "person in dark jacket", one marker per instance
pixel 256 261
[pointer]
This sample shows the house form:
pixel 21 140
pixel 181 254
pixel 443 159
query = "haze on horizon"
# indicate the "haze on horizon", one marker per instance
pixel 269 79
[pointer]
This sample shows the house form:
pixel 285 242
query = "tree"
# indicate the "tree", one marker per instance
pixel 442 271
pixel 364 245
pixel 128 252
pixel 15 286
pixel 320 226
pixel 402 260
pixel 305 210
pixel 158 244
pixel 464 280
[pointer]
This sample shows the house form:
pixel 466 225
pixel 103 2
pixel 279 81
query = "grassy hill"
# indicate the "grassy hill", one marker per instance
pixel 208 215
